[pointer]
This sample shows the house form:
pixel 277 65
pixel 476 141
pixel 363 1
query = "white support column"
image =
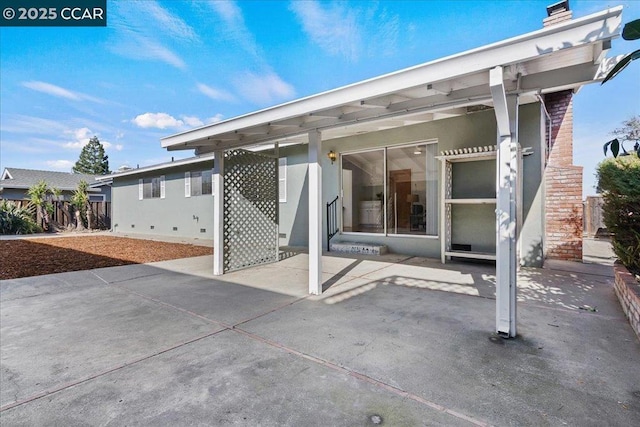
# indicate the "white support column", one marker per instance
pixel 218 213
pixel 506 263
pixel 315 213
pixel 514 168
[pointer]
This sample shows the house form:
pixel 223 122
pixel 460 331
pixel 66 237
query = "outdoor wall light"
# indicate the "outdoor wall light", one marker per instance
pixel 332 156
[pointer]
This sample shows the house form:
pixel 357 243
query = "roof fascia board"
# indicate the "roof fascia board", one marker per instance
pixel 6 174
pixel 174 164
pixel 590 29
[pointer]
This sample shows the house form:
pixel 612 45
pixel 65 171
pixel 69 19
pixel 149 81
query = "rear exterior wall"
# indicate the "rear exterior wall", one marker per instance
pixel 175 215
pixel 477 129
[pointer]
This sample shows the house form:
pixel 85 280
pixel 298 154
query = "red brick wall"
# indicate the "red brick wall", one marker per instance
pixel 557 18
pixel 563 183
pixel 628 292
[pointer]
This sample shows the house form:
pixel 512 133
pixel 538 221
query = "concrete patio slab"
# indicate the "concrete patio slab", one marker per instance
pixel 62 328
pixel 226 379
pixel 438 345
pixel 410 341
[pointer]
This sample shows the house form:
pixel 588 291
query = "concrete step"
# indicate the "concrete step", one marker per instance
pixel 359 248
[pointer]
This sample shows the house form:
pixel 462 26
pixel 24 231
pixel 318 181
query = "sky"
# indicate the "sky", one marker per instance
pixel 161 67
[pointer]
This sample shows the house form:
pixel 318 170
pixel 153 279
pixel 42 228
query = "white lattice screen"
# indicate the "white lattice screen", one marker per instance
pixel 250 209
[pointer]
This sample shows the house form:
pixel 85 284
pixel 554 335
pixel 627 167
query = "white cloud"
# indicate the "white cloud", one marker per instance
pixel 61 165
pixel 340 29
pixel 143 31
pixel 237 30
pixel 53 90
pixel 157 120
pixel 215 119
pixel 146 48
pixel 170 23
pixel 106 145
pixel 228 10
pixel 192 121
pixel 264 89
pixel 332 27
pixel 167 121
pixel 214 93
pixel 81 136
pixel 29 124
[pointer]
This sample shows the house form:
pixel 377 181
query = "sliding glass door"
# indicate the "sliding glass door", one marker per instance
pixel 392 190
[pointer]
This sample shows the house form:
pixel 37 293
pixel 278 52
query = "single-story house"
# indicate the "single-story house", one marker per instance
pixel 15 182
pixel 468 156
pixel 173 199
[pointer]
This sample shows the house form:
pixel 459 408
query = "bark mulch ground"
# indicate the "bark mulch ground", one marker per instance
pixel 35 257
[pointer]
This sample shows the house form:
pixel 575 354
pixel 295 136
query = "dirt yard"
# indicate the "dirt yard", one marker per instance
pixel 37 256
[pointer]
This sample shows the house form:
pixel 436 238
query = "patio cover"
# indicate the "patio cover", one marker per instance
pixel 501 75
pixel 563 56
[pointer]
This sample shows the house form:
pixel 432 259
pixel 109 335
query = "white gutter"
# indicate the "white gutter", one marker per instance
pixel 167 165
pixel 586 30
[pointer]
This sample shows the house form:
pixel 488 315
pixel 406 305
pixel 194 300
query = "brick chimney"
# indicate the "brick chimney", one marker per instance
pixel 563 180
pixel 556 13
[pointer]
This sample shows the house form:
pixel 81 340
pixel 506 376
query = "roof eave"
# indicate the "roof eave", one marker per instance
pixel 591 29
pixel 160 166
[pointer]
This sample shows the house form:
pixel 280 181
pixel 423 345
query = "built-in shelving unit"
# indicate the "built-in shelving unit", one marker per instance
pixel 448 159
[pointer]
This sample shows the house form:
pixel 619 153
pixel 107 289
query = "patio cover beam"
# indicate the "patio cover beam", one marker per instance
pixel 506 111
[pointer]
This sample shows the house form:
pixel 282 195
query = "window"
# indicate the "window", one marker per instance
pixel 151 188
pixel 393 190
pixel 198 183
pixel 282 179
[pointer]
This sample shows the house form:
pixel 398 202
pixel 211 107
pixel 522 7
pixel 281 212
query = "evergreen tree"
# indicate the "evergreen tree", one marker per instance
pixel 92 159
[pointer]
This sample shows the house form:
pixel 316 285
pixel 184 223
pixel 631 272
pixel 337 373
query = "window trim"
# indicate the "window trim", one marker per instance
pixel 187 184
pixel 161 183
pixel 189 187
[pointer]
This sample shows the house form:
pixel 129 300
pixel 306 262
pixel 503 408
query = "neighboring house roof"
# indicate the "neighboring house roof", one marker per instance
pixel 558 57
pixel 26 178
pixel 158 167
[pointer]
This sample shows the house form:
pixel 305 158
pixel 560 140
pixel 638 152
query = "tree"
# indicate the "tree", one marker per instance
pixel 38 196
pixel 630 131
pixel 17 220
pixel 80 201
pixel 93 160
pixel 619 182
pixel 631 31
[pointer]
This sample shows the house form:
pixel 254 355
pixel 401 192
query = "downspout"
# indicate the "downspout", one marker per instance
pixel 548 139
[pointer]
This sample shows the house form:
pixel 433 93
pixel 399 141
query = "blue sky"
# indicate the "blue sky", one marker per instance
pixel 160 67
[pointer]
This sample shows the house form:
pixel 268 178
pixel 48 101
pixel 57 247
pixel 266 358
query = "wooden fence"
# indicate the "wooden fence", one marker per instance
pixel 101 214
pixel 593 215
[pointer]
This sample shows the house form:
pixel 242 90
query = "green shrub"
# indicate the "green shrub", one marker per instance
pixel 619 182
pixel 17 220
